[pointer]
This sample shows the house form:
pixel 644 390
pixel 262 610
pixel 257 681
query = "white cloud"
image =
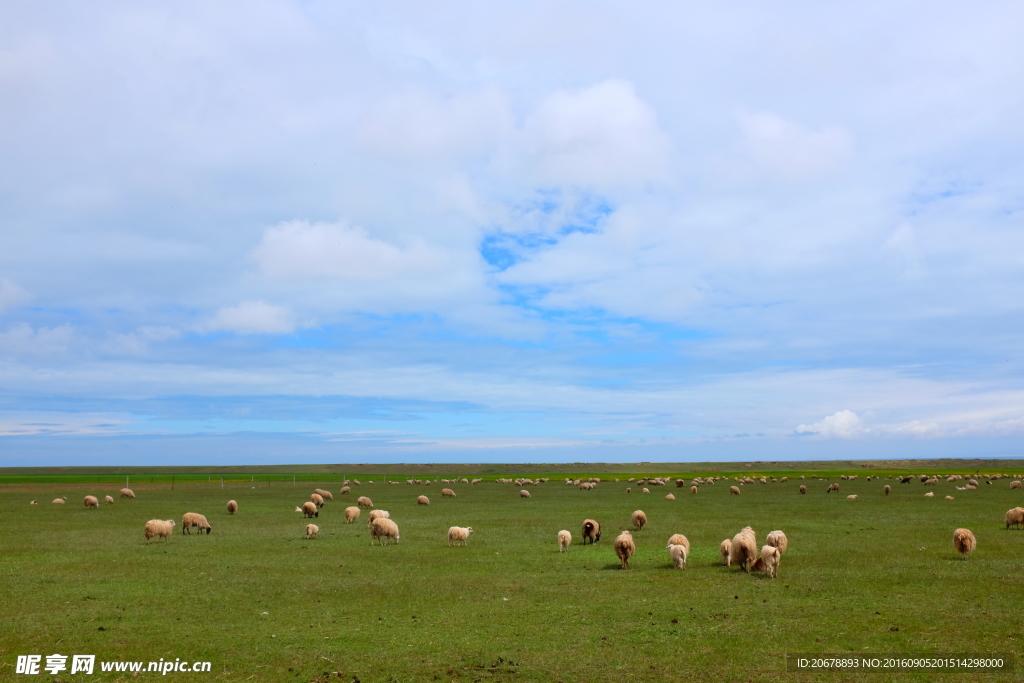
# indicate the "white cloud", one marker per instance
pixel 11 294
pixel 252 317
pixel 603 135
pixel 138 341
pixel 23 339
pixel 841 425
pixel 786 148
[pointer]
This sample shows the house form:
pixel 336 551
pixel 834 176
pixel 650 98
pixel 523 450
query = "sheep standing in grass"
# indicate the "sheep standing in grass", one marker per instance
pixel 646 491
pixel 524 493
pixel 803 488
pixel 447 493
pixel 345 490
pixel 964 542
pixel 159 527
pixel 318 499
pixel 459 533
pixel 232 507
pixel 326 495
pixel 92 502
pixel 777 539
pixel 312 531
pixel 624 548
pixel 670 497
pixel 693 489
pixel 591 530
pixel 565 540
pixel 1015 517
pixel 377 514
pixel 60 501
pixel 351 514
pixel 194 519
pixel 639 519
pixel 770 556
pixel 109 500
pixel 743 550
pixel 1014 485
pixel 364 502
pixel 678 554
pixel 422 500
pixel 886 489
pixel 834 486
pixel 734 490
pixel 309 509
pixel 725 550
pixel 33 502
pixel 127 493
pixel 383 528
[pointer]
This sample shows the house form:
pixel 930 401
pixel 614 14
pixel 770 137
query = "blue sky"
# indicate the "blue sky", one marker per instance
pixel 270 232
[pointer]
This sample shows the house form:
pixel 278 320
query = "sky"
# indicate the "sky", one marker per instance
pixel 287 232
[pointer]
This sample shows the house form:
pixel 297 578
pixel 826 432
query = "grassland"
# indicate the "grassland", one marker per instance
pixel 876 574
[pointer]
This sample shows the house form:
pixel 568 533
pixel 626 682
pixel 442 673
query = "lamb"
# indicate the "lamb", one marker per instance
pixel 734 490
pixel 159 527
pixel 524 493
pixel 383 528
pixel 770 556
pixel 1015 517
pixel 886 489
pixel 33 502
pixel 460 533
pixel 743 550
pixel 670 497
pixel 777 539
pixel 624 548
pixel 232 507
pixel 565 540
pixel 309 509
pixel 852 497
pixel 60 501
pixel 693 489
pixel 678 554
pixel 447 493
pixel 1014 485
pixel 109 500
pixel 194 519
pixel 127 493
pixel 312 531
pixel 351 514
pixel 803 488
pixel 591 530
pixel 318 499
pixel 964 542
pixel 639 519
pixel 92 502
pixel 725 550
pixel 422 500
pixel 364 502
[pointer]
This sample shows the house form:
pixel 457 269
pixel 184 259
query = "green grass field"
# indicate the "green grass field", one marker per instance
pixel 877 574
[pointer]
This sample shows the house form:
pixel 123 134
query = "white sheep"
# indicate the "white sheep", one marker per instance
pixel 109 500
pixel 326 495
pixel 770 556
pixel 565 540
pixel 318 499
pixel 646 490
pixel 232 507
pixel 725 550
pixel 670 497
pixel 308 509
pixel 364 502
pixel 734 490
pixel 964 542
pixel 351 514
pixel 886 489
pixel 312 531
pixel 678 554
pixel 777 539
pixel 852 496
pixel 159 527
pixel 639 519
pixel 345 490
pixel 194 519
pixel 422 500
pixel 383 528
pixel 377 514
pixel 33 502
pixel 524 493
pixel 447 493
pixel 127 493
pixel 60 501
pixel 743 550
pixel 693 489
pixel 624 548
pixel 459 533
pixel 930 494
pixel 92 502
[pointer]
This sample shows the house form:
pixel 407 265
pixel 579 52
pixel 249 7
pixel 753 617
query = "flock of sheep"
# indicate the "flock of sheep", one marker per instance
pixel 740 550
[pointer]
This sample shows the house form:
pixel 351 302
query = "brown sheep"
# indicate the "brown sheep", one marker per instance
pixel 964 542
pixel 364 502
pixel 639 519
pixel 232 507
pixel 834 486
pixel 92 502
pixel 591 530
pixel 624 548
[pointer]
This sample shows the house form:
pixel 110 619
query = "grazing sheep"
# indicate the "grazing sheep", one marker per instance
pixel 377 514
pixel 693 489
pixel 591 530
pixel 639 519
pixel 646 491
pixel 312 531
pixel 309 509
pixel 629 489
pixel 834 486
pixel 33 502
pixel 159 527
pixel 624 548
pixel 345 490
pixel 886 489
pixel 743 550
pixel 92 502
pixel 422 500
pixel 803 488
pixel 964 542
pixel 1015 517
pixel 929 494
pixel 931 481
pixel 383 528
pixel 678 554
pixel 565 540
pixel 351 514
pixel 318 499
pixel 326 495
pixel 127 493
pixel 777 539
pixel 447 493
pixel 973 482
pixel 460 533
pixel 194 519
pixel 357 482
pixel 60 501
pixel 679 539
pixel 232 507
pixel 670 497
pixel 725 550
pixel 364 502
pixel 949 498
pixel 1014 485
pixel 524 493
pixel 770 556
pixel 109 500
pixel 734 490
pixel 852 497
